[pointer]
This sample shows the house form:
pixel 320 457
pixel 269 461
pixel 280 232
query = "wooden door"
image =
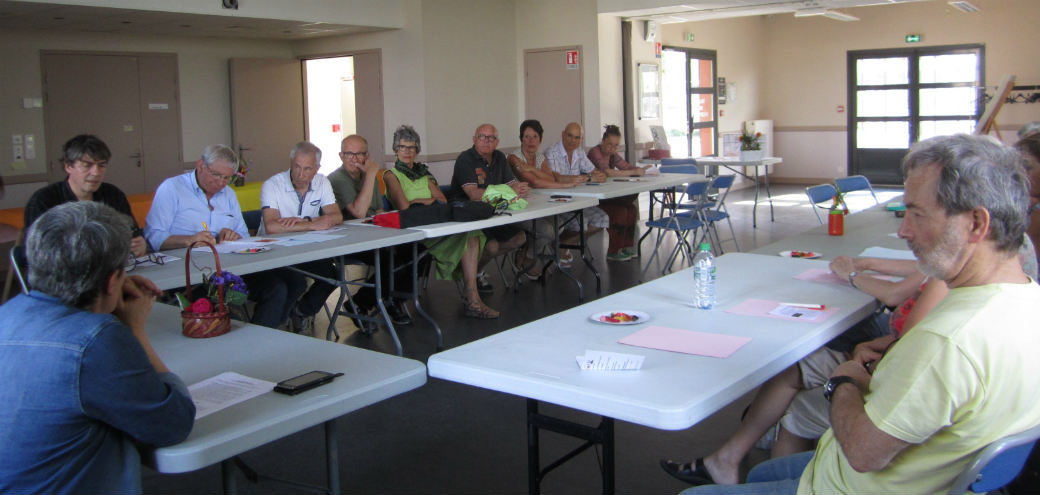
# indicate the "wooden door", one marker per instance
pixel 266 112
pixel 553 93
pixel 368 104
pixel 100 95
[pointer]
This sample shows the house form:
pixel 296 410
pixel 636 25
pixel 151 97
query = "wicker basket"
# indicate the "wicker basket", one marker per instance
pixel 204 325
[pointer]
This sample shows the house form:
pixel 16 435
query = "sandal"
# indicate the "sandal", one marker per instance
pixel 566 258
pixel 695 473
pixel 480 311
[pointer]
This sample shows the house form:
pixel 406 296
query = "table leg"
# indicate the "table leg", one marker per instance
pixel 382 307
pixel 556 257
pixel 585 251
pixel 593 436
pixel 415 296
pixel 332 456
pixel 769 196
pixel 227 476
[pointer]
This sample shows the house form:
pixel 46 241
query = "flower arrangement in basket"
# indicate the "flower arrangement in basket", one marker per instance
pixel 208 315
pixel 239 178
pixel 749 140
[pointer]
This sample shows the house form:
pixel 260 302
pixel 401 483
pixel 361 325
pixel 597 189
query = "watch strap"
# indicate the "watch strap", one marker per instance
pixel 852 275
pixel 833 383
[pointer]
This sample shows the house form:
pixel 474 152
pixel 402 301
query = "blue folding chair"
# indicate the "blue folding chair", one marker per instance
pixel 819 194
pixel 855 183
pixel 681 225
pixel 997 464
pixel 715 211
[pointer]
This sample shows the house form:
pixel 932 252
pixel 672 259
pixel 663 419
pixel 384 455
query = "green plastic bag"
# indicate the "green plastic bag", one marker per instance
pixel 501 196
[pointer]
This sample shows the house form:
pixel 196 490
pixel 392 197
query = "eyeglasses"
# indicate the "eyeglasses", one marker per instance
pixel 413 149
pixel 153 258
pixel 348 155
pixel 487 138
pixel 221 178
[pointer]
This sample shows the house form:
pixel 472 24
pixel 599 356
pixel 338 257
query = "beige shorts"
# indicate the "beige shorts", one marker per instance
pixel 808 415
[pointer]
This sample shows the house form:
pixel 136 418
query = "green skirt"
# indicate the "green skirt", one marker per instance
pixel 448 251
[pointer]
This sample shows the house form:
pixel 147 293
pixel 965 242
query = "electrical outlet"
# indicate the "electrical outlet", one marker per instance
pixel 18 152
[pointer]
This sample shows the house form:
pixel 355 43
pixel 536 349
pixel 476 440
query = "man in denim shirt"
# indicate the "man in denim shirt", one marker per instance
pixel 80 384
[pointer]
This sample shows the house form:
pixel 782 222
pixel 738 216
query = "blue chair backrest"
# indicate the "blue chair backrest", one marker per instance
pixel 854 183
pixel 669 162
pixel 695 190
pixel 252 219
pixel 679 169
pixel 722 182
pixel 821 193
pixel 997 464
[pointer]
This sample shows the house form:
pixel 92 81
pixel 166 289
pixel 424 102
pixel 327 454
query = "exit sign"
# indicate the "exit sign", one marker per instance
pixel 913 38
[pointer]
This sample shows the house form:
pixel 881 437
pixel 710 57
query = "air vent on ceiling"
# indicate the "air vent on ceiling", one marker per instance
pixel 963 6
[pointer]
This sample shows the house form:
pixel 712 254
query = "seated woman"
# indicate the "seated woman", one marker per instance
pixel 624 211
pixel 790 397
pixel 529 166
pixel 410 184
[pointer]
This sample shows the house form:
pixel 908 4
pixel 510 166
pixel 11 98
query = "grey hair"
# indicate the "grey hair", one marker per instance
pixel 978 171
pixel 306 147
pixel 73 248
pixel 407 133
pixel 1029 129
pixel 84 145
pixel 219 152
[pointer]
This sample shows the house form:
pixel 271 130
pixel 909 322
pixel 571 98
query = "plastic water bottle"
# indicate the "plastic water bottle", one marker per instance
pixel 704 278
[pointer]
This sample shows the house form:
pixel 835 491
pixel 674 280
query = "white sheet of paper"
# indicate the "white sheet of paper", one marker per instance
pixel 895 254
pixel 612 361
pixel 225 390
pixel 797 312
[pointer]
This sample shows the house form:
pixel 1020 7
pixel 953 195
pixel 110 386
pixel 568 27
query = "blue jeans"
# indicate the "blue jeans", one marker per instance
pixel 775 476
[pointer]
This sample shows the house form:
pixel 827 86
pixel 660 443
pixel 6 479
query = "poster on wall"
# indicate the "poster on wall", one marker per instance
pixel 649 91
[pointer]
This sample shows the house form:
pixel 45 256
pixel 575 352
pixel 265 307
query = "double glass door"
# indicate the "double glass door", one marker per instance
pixel 689 101
pixel 898 97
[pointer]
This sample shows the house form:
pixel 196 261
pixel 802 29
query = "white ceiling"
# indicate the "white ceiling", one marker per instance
pixel 49 16
pixel 672 11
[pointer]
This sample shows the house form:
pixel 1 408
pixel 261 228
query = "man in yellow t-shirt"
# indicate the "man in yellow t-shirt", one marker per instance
pixel 966 376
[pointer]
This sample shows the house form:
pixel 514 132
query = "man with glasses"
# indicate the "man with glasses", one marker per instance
pixel 475 169
pixel 86 159
pixel 199 206
pixel 356 188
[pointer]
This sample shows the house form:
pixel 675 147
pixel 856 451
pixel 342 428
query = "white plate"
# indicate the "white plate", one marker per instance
pixel 640 316
pixel 257 250
pixel 812 255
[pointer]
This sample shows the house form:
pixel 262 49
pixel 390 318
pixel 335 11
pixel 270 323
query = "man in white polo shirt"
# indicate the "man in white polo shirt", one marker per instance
pixel 301 199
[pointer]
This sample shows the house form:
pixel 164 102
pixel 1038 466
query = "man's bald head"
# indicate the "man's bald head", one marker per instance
pixel 572 135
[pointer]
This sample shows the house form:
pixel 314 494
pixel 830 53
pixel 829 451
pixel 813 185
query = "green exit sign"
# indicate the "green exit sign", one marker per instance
pixel 913 38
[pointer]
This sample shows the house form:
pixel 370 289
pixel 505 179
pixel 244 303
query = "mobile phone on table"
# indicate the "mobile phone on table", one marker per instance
pixel 305 382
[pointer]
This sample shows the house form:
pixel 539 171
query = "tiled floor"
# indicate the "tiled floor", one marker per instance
pixel 451 438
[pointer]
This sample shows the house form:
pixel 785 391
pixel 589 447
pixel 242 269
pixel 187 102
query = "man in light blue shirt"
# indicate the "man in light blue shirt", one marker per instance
pixel 199 206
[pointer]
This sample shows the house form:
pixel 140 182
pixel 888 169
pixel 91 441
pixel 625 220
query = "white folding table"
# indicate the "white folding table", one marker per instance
pixel 537 360
pixel 259 352
pixel 712 163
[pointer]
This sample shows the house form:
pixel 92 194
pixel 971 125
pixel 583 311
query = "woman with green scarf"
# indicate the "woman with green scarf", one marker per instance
pixel 410 183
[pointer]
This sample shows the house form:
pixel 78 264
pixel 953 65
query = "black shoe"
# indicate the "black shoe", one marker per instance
pixel 363 326
pixel 300 323
pixel 694 473
pixel 399 313
pixel 483 286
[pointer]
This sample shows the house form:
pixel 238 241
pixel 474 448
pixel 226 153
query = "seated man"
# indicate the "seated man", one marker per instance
pixel 86 159
pixel 301 199
pixel 199 206
pixel 569 163
pixel 356 187
pixel 966 375
pixel 82 387
pixel 476 168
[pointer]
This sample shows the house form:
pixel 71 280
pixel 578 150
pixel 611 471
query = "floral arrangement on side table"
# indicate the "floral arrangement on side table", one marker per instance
pixel 239 178
pixel 749 140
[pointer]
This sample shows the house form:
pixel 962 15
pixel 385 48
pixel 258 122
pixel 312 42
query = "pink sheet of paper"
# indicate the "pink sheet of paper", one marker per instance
pixel 822 275
pixel 761 307
pixel 686 341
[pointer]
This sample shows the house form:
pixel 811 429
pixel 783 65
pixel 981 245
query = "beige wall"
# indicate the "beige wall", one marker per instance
pixel 202 66
pixel 793 70
pixel 611 89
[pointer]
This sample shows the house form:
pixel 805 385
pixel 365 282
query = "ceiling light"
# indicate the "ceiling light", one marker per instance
pixel 963 6
pixel 840 16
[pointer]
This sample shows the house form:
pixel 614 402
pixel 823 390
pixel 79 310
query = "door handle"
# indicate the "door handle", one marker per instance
pixel 137 156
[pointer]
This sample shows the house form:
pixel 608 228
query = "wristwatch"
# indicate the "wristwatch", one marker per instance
pixel 851 275
pixel 833 383
pixel 309 219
